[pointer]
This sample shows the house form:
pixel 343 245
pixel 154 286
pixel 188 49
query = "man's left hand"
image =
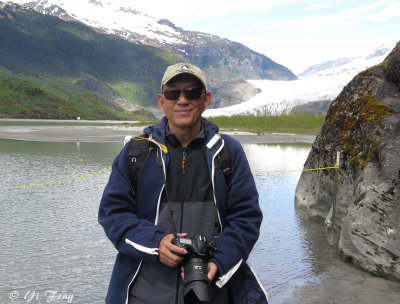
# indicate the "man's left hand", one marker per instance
pixel 212 271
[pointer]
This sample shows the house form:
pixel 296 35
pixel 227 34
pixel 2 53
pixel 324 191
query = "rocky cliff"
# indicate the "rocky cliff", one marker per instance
pixel 314 107
pixel 363 124
pixel 227 93
pixel 107 94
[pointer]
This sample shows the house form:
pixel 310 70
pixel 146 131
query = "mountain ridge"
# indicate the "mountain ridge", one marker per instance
pixel 38 47
pixel 218 57
pixel 343 65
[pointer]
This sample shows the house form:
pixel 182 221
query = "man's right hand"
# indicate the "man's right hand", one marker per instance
pixel 170 254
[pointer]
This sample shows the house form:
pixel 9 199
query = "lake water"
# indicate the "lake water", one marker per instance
pixel 54 123
pixel 53 250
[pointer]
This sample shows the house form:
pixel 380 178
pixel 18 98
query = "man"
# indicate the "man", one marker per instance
pixel 181 192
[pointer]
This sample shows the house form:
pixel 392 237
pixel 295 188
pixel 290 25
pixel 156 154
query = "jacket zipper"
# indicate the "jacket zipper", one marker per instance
pixel 159 201
pixel 183 162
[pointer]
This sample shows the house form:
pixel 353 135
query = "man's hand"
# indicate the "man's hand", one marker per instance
pixel 212 271
pixel 168 253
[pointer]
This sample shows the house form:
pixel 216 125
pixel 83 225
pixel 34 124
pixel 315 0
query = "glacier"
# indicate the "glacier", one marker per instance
pixel 320 82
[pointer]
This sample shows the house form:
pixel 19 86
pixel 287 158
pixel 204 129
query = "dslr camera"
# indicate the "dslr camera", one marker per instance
pixel 195 266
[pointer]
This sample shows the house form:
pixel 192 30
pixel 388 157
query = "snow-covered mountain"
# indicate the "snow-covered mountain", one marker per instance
pixel 347 65
pixel 113 17
pixel 320 82
pixel 218 57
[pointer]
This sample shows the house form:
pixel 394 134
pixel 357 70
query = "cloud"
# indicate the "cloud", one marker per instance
pixel 321 23
pixel 317 7
pixel 392 10
pixel 321 6
pixel 186 12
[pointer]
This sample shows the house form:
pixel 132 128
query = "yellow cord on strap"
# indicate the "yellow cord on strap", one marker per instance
pixel 163 147
pixel 56 182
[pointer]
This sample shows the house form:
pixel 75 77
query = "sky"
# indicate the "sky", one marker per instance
pixel 294 33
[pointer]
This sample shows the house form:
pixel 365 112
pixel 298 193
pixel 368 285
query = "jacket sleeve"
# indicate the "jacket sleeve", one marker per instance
pixel 129 234
pixel 243 216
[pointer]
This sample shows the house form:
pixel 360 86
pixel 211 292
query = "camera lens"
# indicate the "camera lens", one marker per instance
pixel 196 281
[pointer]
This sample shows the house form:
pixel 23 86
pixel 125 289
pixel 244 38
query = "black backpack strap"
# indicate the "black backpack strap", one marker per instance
pixel 139 146
pixel 224 162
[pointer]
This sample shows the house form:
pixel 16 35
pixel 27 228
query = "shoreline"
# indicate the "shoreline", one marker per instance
pixel 118 133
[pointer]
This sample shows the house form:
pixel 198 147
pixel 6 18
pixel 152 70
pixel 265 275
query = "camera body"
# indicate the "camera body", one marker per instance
pixel 195 266
pixel 198 246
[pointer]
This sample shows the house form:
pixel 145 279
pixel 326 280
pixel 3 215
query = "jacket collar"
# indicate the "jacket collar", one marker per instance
pixel 211 130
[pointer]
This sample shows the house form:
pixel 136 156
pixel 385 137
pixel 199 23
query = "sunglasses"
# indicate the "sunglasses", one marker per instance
pixel 190 94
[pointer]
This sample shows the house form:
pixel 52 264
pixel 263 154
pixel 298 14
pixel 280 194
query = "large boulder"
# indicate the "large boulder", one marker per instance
pixel 362 197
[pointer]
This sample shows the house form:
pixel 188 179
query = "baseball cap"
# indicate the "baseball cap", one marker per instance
pixel 183 68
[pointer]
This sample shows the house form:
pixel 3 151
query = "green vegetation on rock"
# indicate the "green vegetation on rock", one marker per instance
pixel 371 112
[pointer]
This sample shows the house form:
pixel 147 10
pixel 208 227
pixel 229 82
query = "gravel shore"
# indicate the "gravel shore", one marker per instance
pixel 118 133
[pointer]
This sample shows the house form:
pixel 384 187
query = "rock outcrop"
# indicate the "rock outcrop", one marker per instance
pixel 314 107
pixel 113 98
pixel 363 124
pixel 107 94
pixel 230 92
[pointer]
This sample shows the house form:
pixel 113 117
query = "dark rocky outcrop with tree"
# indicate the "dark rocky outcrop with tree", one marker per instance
pixel 363 124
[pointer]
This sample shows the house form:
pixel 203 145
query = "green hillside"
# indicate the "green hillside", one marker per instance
pixel 42 57
pixel 23 99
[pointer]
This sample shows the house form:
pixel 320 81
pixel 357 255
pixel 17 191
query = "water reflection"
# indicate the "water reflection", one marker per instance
pixel 272 157
pixel 281 251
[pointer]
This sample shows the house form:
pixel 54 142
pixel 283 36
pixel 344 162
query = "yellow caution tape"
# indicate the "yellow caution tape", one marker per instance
pixel 303 170
pixel 108 169
pixel 56 182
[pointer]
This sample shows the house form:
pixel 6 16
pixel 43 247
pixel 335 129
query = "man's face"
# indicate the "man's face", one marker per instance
pixel 183 113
